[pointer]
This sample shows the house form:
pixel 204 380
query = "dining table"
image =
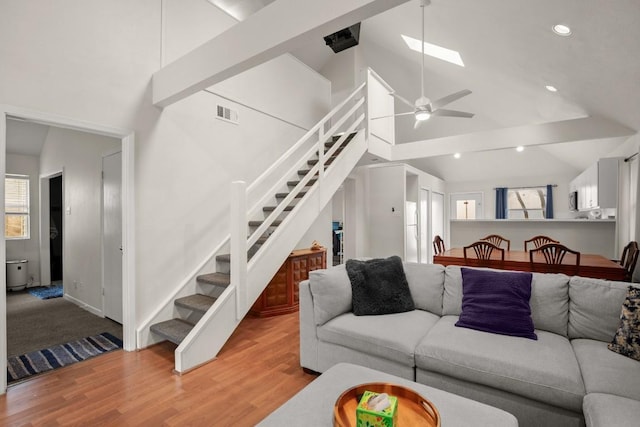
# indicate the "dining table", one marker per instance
pixel 591 265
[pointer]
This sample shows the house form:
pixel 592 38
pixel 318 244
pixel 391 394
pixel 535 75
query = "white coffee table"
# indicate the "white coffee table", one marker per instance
pixel 313 405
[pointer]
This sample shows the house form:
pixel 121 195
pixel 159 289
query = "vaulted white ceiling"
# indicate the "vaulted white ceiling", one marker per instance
pixel 510 53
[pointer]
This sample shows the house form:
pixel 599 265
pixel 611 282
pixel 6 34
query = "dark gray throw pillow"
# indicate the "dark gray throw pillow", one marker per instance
pixel 379 286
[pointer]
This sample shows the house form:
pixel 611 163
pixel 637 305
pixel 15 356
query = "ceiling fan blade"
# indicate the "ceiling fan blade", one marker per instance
pixel 392 115
pixel 395 95
pixel 452 113
pixel 449 99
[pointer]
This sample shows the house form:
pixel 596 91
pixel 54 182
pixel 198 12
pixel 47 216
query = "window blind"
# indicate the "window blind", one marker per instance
pixel 16 194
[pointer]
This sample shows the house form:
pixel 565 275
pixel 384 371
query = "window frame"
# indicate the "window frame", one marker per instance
pixel 26 213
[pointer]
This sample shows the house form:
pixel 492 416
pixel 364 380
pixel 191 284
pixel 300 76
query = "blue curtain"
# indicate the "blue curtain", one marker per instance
pixel 501 203
pixel 549 210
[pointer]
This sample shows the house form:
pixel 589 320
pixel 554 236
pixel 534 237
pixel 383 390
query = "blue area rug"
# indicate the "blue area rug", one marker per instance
pixel 36 362
pixel 46 292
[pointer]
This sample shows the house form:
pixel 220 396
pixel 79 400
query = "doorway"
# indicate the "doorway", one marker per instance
pixel 127 139
pixel 55 228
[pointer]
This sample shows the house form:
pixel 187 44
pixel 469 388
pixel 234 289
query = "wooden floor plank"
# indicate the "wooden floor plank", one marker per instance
pixel 256 371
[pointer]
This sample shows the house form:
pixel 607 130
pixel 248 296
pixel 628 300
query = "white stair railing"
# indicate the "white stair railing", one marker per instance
pixel 250 277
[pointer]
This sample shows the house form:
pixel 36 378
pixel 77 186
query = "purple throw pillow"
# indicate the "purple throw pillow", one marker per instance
pixel 497 302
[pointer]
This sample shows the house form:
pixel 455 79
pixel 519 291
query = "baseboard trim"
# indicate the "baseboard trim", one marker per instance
pixel 84 305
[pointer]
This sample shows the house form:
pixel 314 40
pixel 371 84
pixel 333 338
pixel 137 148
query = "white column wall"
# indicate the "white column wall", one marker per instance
pixel 92 61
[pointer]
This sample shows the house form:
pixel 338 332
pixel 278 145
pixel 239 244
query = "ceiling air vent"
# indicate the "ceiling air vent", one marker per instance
pixel 227 114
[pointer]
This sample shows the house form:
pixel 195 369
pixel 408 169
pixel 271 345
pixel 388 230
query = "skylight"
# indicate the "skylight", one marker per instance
pixel 434 50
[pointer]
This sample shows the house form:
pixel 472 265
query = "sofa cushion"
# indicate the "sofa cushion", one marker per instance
pixel 606 410
pixel 549 299
pixel 550 302
pixel 331 292
pixel 497 302
pixel 452 297
pixel 594 307
pixel 391 336
pixel 379 286
pixel 626 341
pixel 545 370
pixel 604 371
pixel 426 282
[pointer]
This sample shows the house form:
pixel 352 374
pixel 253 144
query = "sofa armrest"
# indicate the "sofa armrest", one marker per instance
pixel 308 335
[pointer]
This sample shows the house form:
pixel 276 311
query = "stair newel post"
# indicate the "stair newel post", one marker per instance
pixel 238 244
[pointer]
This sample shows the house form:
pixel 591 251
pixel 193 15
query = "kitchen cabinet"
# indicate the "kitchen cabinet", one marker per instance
pixel 597 186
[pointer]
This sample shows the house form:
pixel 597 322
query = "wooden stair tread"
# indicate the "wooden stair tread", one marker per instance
pixel 273 208
pixel 283 195
pixel 198 302
pixel 216 279
pixel 275 223
pixel 174 330
pixel 294 183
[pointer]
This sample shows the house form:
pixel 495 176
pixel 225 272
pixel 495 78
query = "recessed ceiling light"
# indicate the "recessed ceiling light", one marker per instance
pixel 434 50
pixel 456 156
pixel 551 88
pixel 519 148
pixel 562 30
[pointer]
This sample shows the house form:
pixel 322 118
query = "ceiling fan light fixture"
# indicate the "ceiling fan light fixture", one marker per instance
pixel 422 115
pixel 562 30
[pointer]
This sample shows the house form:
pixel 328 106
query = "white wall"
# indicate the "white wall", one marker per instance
pixel 92 61
pixel 80 154
pixel 28 249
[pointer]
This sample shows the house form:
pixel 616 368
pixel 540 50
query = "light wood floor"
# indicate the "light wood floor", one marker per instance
pixel 256 371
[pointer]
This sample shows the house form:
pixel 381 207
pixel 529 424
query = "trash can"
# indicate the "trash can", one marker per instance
pixel 17 275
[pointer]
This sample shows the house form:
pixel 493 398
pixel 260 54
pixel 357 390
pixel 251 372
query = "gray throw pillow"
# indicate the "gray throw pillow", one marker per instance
pixel 379 286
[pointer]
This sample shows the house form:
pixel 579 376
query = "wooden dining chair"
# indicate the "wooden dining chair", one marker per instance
pixel 497 240
pixel 438 245
pixel 538 241
pixel 553 254
pixel 629 259
pixel 483 250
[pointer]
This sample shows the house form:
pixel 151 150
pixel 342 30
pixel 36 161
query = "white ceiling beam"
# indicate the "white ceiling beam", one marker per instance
pixel 274 30
pixel 582 129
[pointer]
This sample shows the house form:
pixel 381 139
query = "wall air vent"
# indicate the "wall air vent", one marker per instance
pixel 227 114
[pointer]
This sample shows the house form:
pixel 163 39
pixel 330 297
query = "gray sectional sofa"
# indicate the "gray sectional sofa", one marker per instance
pixel 566 377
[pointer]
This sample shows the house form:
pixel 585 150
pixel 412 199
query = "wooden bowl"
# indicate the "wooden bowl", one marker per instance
pixel 413 409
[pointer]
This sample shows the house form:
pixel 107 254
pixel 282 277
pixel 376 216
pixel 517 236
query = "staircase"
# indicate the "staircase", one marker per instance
pixel 268 218
pixel 175 330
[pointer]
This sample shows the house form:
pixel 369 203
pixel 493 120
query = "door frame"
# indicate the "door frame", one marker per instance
pixel 127 138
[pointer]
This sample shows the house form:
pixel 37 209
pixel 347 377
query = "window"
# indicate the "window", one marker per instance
pixel 527 203
pixel 16 206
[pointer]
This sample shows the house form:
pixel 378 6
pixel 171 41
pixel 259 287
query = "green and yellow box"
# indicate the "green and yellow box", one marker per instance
pixel 366 417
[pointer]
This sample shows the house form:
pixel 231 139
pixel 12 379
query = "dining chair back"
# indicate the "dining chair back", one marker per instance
pixel 629 259
pixel 438 245
pixel 538 241
pixel 553 255
pixel 497 240
pixel 483 250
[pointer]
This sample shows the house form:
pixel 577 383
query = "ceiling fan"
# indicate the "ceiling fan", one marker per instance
pixel 424 108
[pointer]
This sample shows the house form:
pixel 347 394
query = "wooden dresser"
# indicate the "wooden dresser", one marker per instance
pixel 281 294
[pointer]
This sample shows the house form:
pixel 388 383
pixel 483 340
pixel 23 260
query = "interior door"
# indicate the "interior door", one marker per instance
pixel 112 236
pixel 437 215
